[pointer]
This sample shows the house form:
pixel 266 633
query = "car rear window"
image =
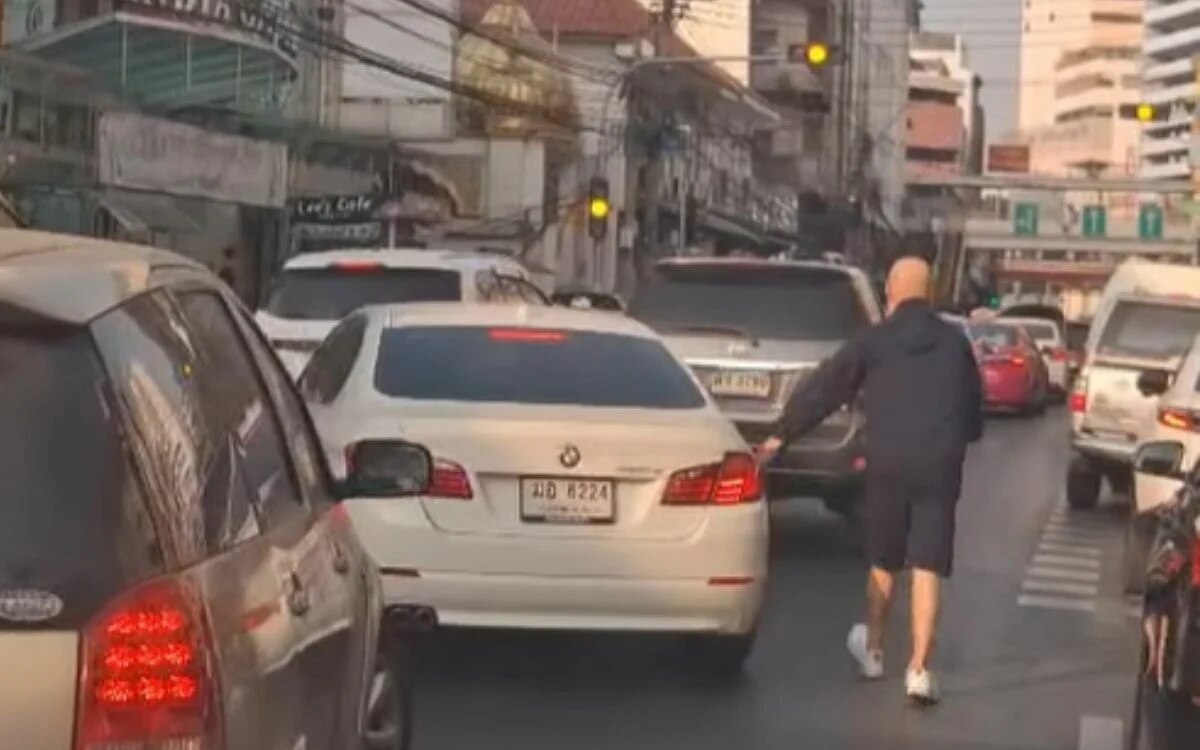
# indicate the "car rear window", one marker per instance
pixel 532 367
pixel 770 302
pixel 72 521
pixel 1041 331
pixel 331 293
pixel 993 334
pixel 1149 331
pixel 1077 334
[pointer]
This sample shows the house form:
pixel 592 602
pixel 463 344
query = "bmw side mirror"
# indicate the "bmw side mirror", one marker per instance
pixel 1161 458
pixel 1153 382
pixel 386 468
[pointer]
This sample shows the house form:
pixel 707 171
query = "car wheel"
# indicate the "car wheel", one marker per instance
pixel 1083 484
pixel 1139 538
pixel 721 656
pixel 388 715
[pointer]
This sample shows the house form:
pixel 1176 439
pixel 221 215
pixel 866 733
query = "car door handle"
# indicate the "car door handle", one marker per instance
pixel 341 563
pixel 297 597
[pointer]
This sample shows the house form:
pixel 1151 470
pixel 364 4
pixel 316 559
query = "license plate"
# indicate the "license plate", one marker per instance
pixel 560 500
pixel 740 383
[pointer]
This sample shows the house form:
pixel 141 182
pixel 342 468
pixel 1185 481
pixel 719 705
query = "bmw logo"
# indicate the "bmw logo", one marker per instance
pixel 570 456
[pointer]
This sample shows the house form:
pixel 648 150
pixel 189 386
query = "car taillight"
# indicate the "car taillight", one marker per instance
pixel 1017 360
pixel 449 480
pixel 1078 400
pixel 147 679
pixel 736 479
pixel 1179 419
pixel 1058 354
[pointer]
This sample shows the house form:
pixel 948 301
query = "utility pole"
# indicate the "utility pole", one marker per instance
pixel 654 169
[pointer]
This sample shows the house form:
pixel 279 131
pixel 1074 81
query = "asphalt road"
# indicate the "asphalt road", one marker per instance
pixel 1036 651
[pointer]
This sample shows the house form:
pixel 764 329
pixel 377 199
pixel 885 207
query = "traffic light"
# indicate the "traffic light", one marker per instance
pixel 598 208
pixel 1142 112
pixel 815 55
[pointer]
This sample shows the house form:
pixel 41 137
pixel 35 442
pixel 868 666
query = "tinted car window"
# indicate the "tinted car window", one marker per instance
pixel 1041 331
pixel 192 474
pixel 990 334
pixel 72 520
pixel 1140 329
pixel 236 408
pixel 532 367
pixel 332 362
pixel 332 293
pixel 805 304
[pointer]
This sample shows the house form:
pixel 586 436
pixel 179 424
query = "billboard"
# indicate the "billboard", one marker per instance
pixel 1008 158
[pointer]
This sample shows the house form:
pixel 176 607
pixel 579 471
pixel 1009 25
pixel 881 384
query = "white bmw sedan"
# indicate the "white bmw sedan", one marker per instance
pixel 583 477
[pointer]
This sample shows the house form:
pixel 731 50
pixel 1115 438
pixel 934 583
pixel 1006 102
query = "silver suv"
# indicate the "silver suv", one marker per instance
pixel 752 330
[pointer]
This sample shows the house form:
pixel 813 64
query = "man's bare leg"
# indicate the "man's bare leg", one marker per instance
pixel 926 590
pixel 881 586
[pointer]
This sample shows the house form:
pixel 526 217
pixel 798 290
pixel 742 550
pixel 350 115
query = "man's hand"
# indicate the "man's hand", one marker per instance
pixel 767 450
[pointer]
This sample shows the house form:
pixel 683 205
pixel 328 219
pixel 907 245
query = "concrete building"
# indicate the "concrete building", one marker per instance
pixel 1172 41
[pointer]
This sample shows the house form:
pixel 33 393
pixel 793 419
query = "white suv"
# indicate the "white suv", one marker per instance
pixel 316 290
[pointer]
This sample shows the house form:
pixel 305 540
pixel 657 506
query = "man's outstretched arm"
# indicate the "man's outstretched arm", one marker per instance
pixel 834 383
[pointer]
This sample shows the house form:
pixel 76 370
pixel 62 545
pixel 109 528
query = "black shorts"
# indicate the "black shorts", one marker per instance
pixel 910 518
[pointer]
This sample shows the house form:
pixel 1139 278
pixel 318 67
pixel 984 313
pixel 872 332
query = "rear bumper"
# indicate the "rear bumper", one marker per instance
pixel 828 462
pixel 1108 454
pixel 711 581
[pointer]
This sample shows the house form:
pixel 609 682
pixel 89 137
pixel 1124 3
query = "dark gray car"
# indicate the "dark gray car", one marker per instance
pixel 752 330
pixel 175 570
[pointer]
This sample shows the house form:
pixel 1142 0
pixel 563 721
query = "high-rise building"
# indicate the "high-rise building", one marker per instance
pixel 1172 41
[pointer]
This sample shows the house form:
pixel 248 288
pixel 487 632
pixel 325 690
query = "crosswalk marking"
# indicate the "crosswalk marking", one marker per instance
pixel 1064 560
pixel 1101 733
pixel 1064 572
pixel 1056 602
pixel 1058 587
pixel 1067 574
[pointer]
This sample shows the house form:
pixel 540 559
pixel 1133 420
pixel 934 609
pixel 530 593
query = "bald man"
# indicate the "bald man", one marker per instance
pixel 921 394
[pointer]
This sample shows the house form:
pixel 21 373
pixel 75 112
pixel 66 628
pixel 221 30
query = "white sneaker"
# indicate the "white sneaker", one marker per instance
pixel 921 687
pixel 870 661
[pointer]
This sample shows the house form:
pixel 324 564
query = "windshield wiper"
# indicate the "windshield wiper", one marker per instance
pixel 714 328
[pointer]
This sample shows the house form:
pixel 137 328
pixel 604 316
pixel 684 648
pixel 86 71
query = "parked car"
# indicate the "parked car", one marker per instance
pixel 175 567
pixel 1166 713
pixel 1147 318
pixel 1050 344
pixel 582 477
pixel 1177 419
pixel 1014 375
pixel 316 290
pixel 752 330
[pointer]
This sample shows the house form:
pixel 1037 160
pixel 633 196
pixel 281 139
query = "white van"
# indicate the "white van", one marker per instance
pixel 1147 320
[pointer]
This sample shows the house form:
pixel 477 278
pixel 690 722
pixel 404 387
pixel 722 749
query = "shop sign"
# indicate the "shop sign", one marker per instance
pixel 145 153
pixel 349 220
pixel 272 21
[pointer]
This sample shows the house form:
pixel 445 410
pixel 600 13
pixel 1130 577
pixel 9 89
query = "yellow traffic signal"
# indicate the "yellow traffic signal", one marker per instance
pixel 1145 112
pixel 816 54
pixel 1142 112
pixel 599 208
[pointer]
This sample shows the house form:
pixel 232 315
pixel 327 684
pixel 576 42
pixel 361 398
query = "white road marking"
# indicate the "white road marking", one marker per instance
pixel 1059 587
pixel 1101 733
pixel 1056 602
pixel 1070 562
pixel 1041 571
pixel 1068 549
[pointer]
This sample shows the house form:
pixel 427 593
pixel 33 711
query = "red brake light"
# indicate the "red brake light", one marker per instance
pixel 449 480
pixel 1017 360
pixel 146 678
pixel 529 335
pixel 1059 354
pixel 737 479
pixel 1078 403
pixel 1179 419
pixel 357 266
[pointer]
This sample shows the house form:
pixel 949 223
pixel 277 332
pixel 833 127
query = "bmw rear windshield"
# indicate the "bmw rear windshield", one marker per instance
pixel 332 292
pixel 526 366
pixel 765 301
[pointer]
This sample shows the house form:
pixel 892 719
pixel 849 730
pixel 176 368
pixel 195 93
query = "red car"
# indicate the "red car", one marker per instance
pixel 1014 375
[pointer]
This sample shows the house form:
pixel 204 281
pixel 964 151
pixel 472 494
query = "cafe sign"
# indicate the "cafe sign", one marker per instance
pixel 273 22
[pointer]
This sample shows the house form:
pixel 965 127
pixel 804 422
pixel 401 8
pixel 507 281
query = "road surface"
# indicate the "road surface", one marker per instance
pixel 1036 652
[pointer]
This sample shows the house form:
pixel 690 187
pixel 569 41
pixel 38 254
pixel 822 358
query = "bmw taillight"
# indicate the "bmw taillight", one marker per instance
pixel 736 479
pixel 148 677
pixel 449 480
